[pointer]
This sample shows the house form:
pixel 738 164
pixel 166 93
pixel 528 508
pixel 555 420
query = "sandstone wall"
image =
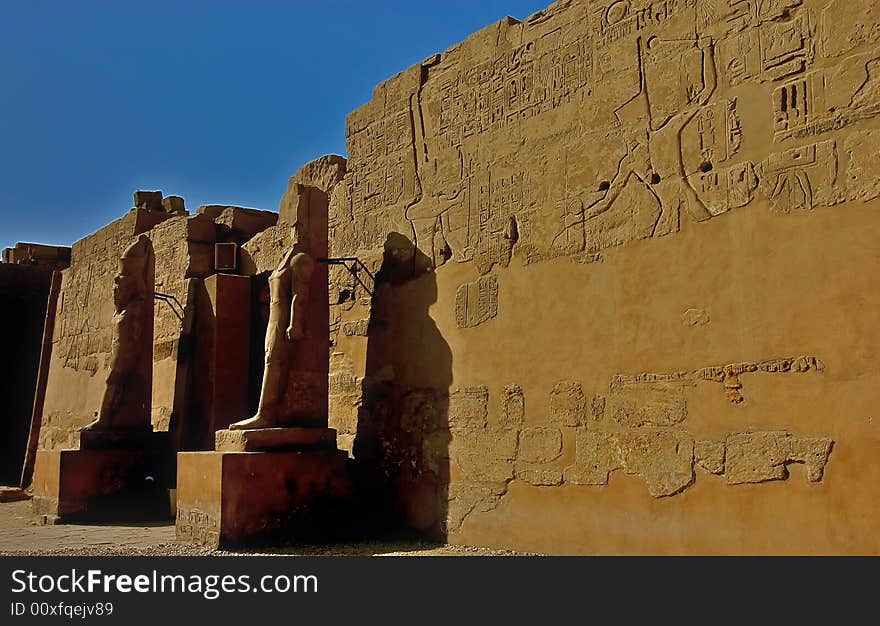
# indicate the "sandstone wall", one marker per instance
pixel 83 329
pixel 626 289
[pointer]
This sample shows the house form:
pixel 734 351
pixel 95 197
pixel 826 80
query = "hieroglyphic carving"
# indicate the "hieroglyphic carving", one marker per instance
pixel 695 317
pixel 799 103
pixel 766 42
pixel 198 527
pixel 727 188
pixel 728 375
pixel 527 81
pixel 665 458
pixel 654 404
pixel 786 47
pixel 477 302
pixel 356 328
pixel 802 178
pixel 839 36
pixel 632 122
pixel 623 18
pixel 718 132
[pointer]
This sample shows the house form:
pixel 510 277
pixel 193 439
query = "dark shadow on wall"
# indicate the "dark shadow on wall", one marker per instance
pixel 259 323
pixel 190 424
pixel 401 448
pixel 24 293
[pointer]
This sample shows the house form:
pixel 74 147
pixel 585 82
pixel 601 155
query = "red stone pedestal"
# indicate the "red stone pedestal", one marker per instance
pixel 112 477
pixel 234 498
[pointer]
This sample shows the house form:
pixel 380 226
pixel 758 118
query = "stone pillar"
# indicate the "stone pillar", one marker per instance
pixel 277 474
pixel 222 352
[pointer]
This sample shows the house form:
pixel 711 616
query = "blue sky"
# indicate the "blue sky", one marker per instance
pixel 217 101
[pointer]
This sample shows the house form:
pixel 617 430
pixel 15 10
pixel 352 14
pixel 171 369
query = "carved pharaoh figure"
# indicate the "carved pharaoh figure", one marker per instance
pixel 126 403
pixel 289 292
pixel 652 156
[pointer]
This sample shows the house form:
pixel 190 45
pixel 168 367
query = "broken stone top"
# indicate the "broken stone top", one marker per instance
pixel 153 201
pixel 324 174
pixel 37 254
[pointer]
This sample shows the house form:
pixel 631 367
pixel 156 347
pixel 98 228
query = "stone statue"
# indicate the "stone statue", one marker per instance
pixel 126 403
pixel 289 291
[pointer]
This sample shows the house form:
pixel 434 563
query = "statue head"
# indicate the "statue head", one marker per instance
pixel 134 268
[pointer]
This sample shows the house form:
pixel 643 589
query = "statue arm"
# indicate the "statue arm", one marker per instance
pixel 302 266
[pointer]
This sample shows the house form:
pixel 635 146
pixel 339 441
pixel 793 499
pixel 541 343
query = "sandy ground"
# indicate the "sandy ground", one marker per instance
pixel 22 534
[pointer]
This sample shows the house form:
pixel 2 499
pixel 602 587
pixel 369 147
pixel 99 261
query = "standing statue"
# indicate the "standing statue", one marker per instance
pixel 127 396
pixel 289 291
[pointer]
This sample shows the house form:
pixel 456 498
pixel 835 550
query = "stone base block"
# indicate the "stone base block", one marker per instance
pixel 102 485
pixel 12 494
pixel 275 439
pixel 228 499
pixel 132 440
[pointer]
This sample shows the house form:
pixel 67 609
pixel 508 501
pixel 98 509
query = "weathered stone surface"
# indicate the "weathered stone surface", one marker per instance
pixel 324 173
pixel 148 200
pixel 174 204
pixel 567 404
pixel 539 445
pixel 238 224
pixel 657 404
pixel 761 456
pixel 274 439
pixel 540 476
pixel 57 257
pixel 467 497
pixel 513 410
pixel 237 498
pixel 468 407
pixel 102 484
pixel 664 458
pixel 597 456
pixel 709 455
pixel 484 455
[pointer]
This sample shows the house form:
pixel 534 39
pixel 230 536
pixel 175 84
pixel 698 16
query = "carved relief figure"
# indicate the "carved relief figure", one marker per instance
pixel 653 156
pixel 289 292
pixel 126 403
